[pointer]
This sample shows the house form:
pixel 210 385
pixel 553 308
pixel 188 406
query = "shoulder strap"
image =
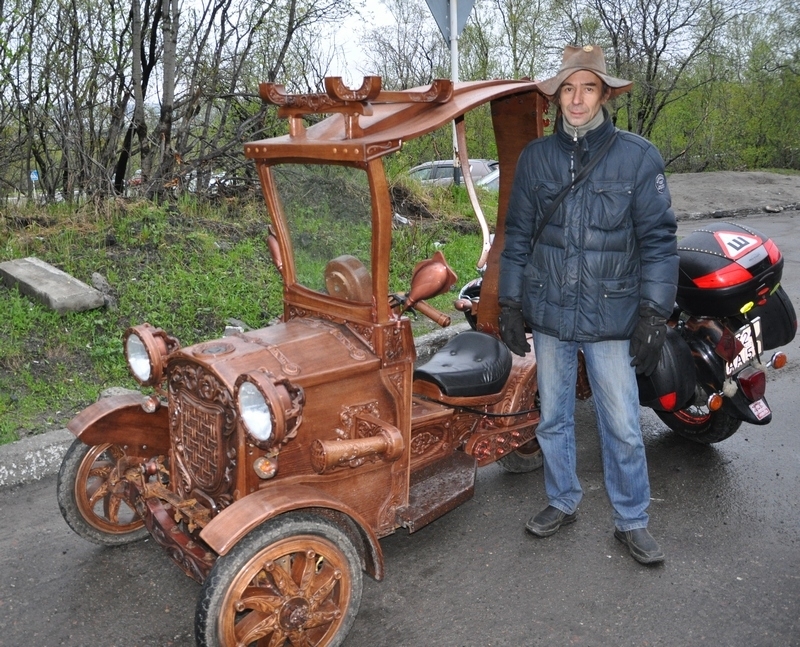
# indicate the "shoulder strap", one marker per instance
pixel 582 175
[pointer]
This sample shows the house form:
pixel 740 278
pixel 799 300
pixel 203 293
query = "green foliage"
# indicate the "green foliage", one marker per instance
pixel 739 127
pixel 186 269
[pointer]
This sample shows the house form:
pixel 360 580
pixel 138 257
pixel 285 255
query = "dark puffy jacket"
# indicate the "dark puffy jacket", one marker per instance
pixel 609 247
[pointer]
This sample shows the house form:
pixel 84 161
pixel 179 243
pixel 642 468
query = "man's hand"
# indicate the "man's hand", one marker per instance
pixel 647 340
pixel 512 329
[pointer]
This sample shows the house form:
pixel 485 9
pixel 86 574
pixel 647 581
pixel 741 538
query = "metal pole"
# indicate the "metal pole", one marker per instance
pixel 454 78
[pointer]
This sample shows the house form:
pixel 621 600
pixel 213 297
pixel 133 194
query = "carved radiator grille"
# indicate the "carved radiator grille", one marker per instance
pixel 202 421
pixel 201 434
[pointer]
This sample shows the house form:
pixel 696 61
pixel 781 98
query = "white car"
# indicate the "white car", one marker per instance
pixel 440 172
pixel 491 181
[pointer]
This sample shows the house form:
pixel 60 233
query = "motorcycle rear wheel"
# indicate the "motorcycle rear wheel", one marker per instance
pixel 699 424
pixel 525 459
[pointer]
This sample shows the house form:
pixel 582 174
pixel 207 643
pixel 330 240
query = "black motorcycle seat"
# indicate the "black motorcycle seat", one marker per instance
pixel 470 364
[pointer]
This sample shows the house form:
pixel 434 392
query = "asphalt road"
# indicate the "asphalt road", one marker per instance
pixel 727 515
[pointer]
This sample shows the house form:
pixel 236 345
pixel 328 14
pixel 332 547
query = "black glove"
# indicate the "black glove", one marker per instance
pixel 512 329
pixel 647 340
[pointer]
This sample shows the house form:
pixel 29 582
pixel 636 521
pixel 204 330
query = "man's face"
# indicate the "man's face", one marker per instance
pixel 581 97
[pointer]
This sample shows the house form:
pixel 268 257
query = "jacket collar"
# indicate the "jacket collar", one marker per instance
pixel 592 140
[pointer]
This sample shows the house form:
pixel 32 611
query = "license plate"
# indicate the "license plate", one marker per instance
pixel 750 338
pixel 760 409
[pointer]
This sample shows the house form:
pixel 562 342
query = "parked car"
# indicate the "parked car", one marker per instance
pixel 490 182
pixel 440 172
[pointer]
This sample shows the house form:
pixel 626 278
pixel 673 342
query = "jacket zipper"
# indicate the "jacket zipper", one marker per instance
pixel 572 155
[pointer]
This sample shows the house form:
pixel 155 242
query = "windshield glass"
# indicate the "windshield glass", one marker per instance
pixel 328 212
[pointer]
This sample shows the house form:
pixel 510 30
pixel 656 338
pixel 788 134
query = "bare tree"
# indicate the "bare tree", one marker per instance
pixel 227 48
pixel 410 52
pixel 526 25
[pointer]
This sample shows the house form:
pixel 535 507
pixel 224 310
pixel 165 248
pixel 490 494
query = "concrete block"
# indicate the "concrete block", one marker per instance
pixel 50 286
pixel 33 457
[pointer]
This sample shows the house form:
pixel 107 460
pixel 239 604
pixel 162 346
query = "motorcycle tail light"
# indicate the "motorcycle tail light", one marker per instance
pixel 733 274
pixel 753 383
pixel 669 401
pixel 773 251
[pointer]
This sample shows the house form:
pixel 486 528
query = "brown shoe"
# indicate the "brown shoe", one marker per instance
pixel 548 521
pixel 641 545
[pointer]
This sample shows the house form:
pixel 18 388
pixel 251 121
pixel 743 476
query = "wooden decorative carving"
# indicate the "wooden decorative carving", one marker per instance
pixel 425 440
pixel 393 343
pixel 338 98
pixel 488 447
pixel 192 557
pixel 439 91
pixel 364 333
pixel 349 416
pixel 370 88
pixel 202 421
pixel 375 440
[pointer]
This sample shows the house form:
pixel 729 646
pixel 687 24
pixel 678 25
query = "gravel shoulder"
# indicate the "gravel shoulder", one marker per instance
pixel 726 194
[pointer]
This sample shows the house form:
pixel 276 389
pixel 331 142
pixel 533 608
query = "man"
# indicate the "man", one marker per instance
pixel 601 277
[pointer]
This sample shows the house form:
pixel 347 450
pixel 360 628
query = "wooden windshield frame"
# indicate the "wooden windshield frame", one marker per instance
pixel 366 124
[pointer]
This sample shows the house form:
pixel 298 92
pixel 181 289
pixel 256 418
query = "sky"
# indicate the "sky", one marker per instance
pixel 348 37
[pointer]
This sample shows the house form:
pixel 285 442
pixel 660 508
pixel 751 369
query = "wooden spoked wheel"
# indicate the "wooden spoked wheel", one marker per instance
pixel 292 581
pixel 89 499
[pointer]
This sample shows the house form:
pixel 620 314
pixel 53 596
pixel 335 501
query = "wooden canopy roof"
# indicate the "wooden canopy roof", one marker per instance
pixel 369 122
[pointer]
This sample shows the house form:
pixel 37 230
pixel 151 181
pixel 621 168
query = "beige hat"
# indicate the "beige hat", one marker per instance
pixel 588 57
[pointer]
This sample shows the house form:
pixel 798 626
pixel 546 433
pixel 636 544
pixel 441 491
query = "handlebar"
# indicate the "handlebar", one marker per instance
pixel 437 316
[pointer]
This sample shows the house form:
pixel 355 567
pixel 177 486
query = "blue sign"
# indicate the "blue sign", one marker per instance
pixel 441 13
pixel 34 176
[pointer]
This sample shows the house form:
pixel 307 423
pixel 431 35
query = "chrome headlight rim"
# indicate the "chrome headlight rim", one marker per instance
pixel 154 347
pixel 262 384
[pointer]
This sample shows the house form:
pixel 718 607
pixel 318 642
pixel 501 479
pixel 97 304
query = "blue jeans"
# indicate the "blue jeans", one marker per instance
pixel 616 400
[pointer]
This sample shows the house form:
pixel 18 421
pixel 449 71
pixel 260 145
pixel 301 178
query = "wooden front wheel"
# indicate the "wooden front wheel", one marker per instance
pixel 294 580
pixel 89 500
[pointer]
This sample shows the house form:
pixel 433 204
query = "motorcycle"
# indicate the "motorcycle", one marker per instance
pixel 730 310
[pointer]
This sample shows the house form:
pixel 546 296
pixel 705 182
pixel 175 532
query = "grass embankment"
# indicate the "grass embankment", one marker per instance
pixel 187 268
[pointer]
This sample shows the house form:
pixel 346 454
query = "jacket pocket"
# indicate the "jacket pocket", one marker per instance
pixel 533 296
pixel 619 306
pixel 613 200
pixel 546 193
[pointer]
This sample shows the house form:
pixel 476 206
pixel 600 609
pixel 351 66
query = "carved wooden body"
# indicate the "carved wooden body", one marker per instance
pixel 356 439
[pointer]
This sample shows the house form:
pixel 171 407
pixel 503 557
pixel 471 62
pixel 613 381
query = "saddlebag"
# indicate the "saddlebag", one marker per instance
pixel 778 319
pixel 671 386
pixel 726 268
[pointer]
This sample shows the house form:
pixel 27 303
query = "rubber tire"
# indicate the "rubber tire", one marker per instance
pixel 522 461
pixel 700 425
pixel 72 467
pixel 225 571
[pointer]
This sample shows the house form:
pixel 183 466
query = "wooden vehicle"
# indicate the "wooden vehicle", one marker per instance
pixel 269 463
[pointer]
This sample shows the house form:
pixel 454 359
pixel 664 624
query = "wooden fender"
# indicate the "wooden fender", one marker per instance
pixel 121 420
pixel 234 522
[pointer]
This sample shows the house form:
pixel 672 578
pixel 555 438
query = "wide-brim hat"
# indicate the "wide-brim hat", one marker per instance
pixel 588 57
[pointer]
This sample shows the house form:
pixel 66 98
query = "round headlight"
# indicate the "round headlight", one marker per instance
pixel 138 358
pixel 270 409
pixel 147 349
pixel 255 411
